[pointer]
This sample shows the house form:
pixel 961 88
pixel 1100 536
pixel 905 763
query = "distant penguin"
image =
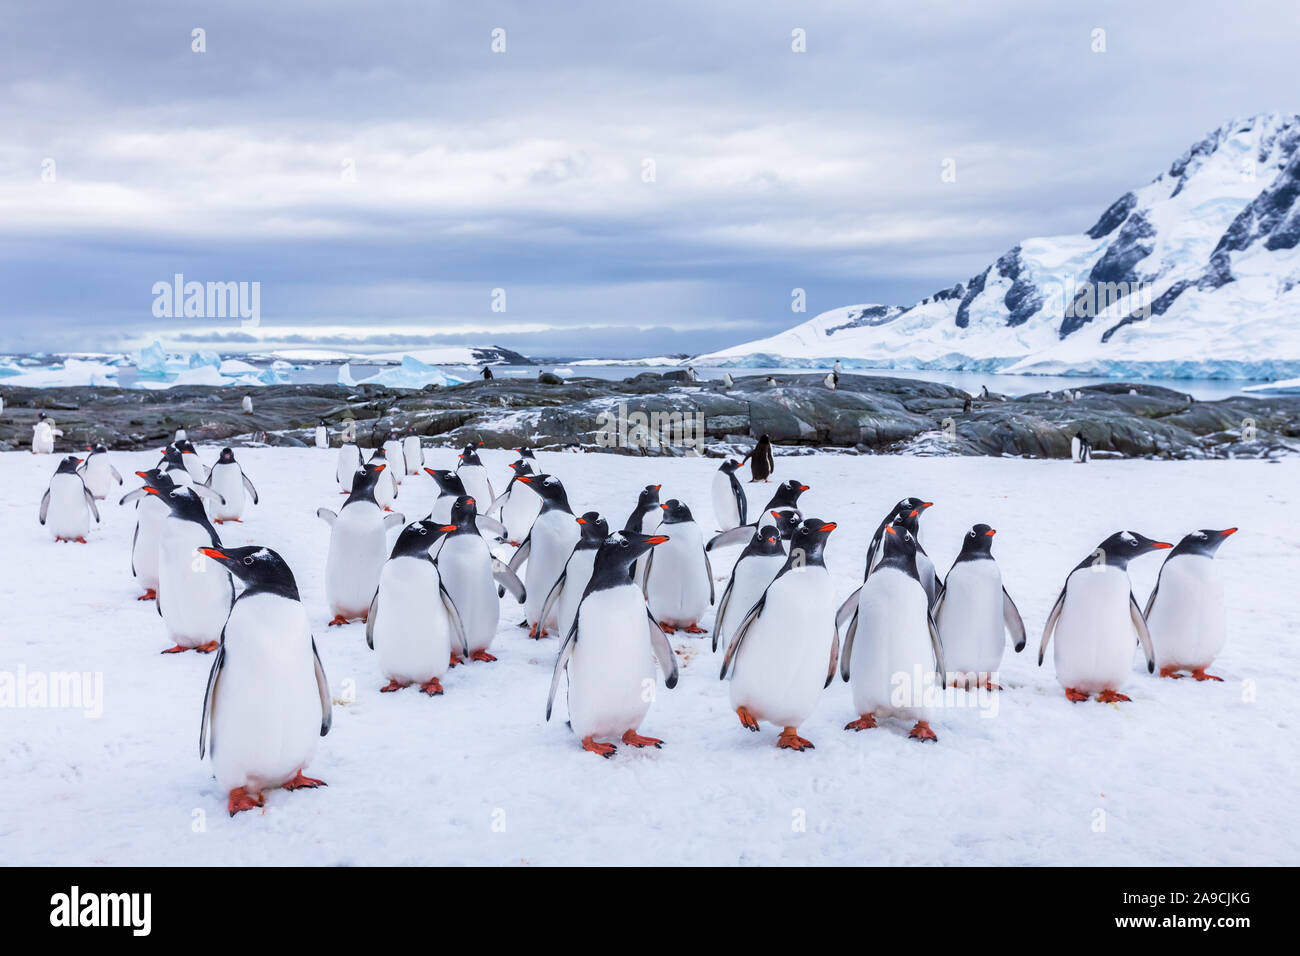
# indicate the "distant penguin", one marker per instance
pixel 727 381
pixel 474 475
pixel 786 499
pixel 268 702
pixel 984 391
pixel 784 651
pixel 974 613
pixel 43 435
pixel 838 367
pixel 345 468
pixel 754 570
pixel 174 466
pixel 691 374
pixel 678 577
pixel 1080 449
pixel 572 582
pixel 413 622
pixel 546 548
pixel 385 484
pixel 180 436
pixel 1185 614
pixel 98 473
pixel 729 503
pixel 645 517
pixel 193 599
pixel 609 659
pixel 831 380
pixel 518 504
pixel 473 578
pixel 358 547
pixel 396 459
pixel 523 451
pixel 1096 619
pixel 890 668
pixel 413 454
pixel 248 404
pixel 227 479
pixel 190 457
pixel 322 435
pixel 67 504
pixel 761 463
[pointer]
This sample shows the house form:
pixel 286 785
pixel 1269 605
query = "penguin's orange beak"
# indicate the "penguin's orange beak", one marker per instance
pixel 926 504
pixel 889 529
pixel 214 553
pixel 803 487
pixel 657 487
pixel 1227 531
pixel 152 491
pixel 469 501
pixel 142 474
pixel 582 521
pixel 665 507
pixel 448 527
pixel 1161 544
pixel 656 539
pixel 990 532
pixel 525 479
pixel 829 527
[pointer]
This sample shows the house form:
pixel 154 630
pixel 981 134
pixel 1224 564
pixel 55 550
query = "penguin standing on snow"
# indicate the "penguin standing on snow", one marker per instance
pixel 899 637
pixel 358 547
pixel 396 459
pixel 149 516
pixel 43 435
pixel 190 459
pixel 322 435
pixel 68 504
pixel 385 490
pixel 1080 449
pixel 227 479
pixel 972 612
pixel 193 598
pixel 609 659
pixel 729 503
pixel 98 472
pixel 450 490
pixel 173 465
pixel 345 468
pixel 518 505
pixel 678 577
pixel 910 509
pixel 645 517
pixel 268 703
pixel 572 582
pixel 754 570
pixel 413 622
pixel 762 464
pixel 786 499
pixel 1096 618
pixel 413 454
pixel 783 652
pixel 473 475
pixel 474 579
pixel 547 547
pixel 1185 613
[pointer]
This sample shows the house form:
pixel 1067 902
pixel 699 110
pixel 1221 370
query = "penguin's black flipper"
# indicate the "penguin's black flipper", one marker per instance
pixel 45 506
pixel 835 658
pixel 248 485
pixel 722 608
pixel 323 688
pixel 732 536
pixel 521 553
pixel 1151 601
pixel 1013 621
pixel 739 637
pixel 738 492
pixel 562 660
pixel 90 500
pixel 392 520
pixel 846 652
pixel 453 612
pixel 133 496
pixel 708 569
pixel 556 590
pixel 937 646
pixel 116 474
pixel 663 651
pixel 327 516
pixel 645 577
pixel 1144 635
pixel 210 698
pixel 1050 626
pixel 491 525
pixel 848 608
pixel 370 620
pixel 135 534
pixel 508 580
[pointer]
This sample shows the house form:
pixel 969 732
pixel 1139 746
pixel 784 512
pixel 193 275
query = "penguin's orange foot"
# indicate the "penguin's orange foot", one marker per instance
pixel 513 544
pixel 338 621
pixel 1170 672
pixel 483 656
pixel 633 739
pixel 865 722
pixel 1112 697
pixel 391 686
pixel 1075 695
pixel 537 632
pixel 922 731
pixel 454 661
pixel 218 520
pixel 386 508
pixel 300 782
pixel 667 628
pixel 695 629
pixel 605 750
pixel 178 649
pixel 1199 674
pixel 79 540
pixel 790 740
pixel 208 648
pixel 990 685
pixel 241 799
pixel 149 595
pixel 432 687
pixel 747 720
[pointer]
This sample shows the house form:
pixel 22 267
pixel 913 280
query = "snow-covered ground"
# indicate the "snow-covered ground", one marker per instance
pixel 1187 773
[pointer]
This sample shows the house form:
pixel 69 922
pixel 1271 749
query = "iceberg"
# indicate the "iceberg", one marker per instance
pixel 151 361
pixel 412 373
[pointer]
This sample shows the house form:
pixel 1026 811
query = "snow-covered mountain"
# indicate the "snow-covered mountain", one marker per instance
pixel 1196 274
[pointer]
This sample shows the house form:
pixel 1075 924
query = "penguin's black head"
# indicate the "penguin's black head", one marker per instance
pixel 786 521
pixel 787 494
pixel 99 449
pixel 68 465
pixel 449 482
pixel 227 457
pixel 621 549
pixel 675 512
pixel 379 454
pixel 186 447
pixel 729 466
pixel 898 547
pixel 648 500
pixel 521 467
pixel 470 455
pixel 808 543
pixel 259 569
pixel 416 539
pixel 595 529
pixel 549 488
pixel 1123 546
pixel 364 480
pixel 171 456
pixel 463 512
pixel 183 502
pixel 977 544
pixel 766 540
pixel 157 478
pixel 523 451
pixel 1204 542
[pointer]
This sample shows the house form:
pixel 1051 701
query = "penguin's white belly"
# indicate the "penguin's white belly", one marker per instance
pixel 970 619
pixel 412 454
pixel 149 518
pixel 396 460
pixel 357 552
pixel 1095 639
pixel 753 575
pixel 466 568
pixel 68 515
pixel 724 503
pixel 99 475
pixel 412 632
pixel 194 593
pixel 611 672
pixel 1188 622
pixel 322 438
pixel 577 576
pixel 348 462
pixel 781 668
pixel 520 511
pixel 553 536
pixel 43 440
pixel 267 713
pixel 891 668
pixel 677 582
pixel 228 481
pixel 385 487
pixel 1075 448
pixel 477 486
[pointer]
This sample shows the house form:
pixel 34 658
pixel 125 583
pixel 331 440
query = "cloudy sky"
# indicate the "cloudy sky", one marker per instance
pixel 638 178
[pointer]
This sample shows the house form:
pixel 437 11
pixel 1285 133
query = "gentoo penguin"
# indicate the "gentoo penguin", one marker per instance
pixel 761 462
pixel 267 702
pixel 396 459
pixel 193 598
pixel 149 516
pixel 247 404
pixel 450 487
pixel 754 570
pixel 546 548
pixel 1185 613
pixel 890 669
pixel 345 468
pixel 729 503
pixel 227 479
pixel 972 612
pixel 473 475
pixel 645 517
pixel 609 659
pixel 98 472
pixel 523 451
pixel 727 380
pixel 43 435
pixel 190 458
pixel 1096 618
pixel 386 485
pixel 471 576
pixel 907 513
pixel 172 464
pixel 413 454
pixel 572 582
pixel 67 504
pixel 785 499
pixel 678 577
pixel 1080 449
pixel 831 380
pixel 518 504
pixel 784 650
pixel 180 436
pixel 358 547
pixel 322 435
pixel 413 622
